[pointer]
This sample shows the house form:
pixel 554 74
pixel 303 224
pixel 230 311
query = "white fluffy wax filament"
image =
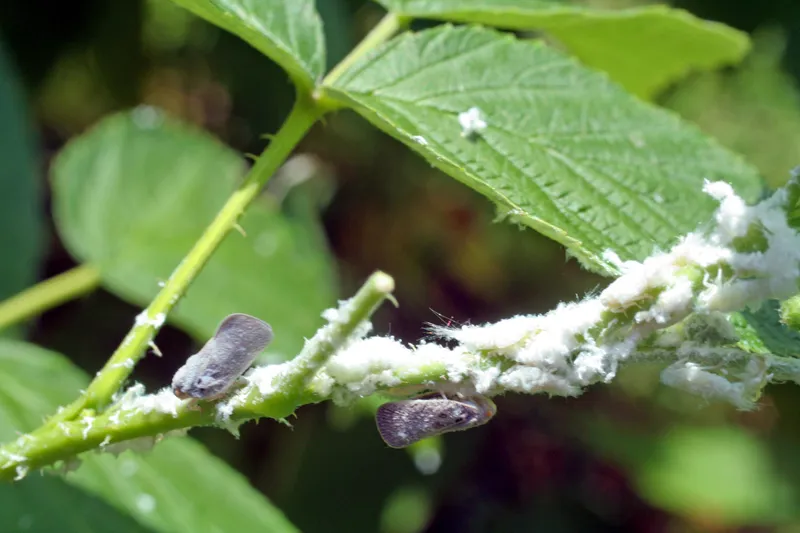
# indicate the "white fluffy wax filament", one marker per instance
pixel 405 422
pixel 211 372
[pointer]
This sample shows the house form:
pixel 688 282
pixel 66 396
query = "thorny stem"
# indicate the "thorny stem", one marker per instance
pixel 63 440
pixel 48 294
pixel 319 349
pixel 132 349
pixel 56 440
pixel 306 112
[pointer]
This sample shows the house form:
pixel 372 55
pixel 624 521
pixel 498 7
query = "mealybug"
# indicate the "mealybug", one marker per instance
pixel 211 372
pixel 405 422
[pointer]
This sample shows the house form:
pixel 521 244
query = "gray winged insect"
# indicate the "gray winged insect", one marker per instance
pixel 212 371
pixel 405 422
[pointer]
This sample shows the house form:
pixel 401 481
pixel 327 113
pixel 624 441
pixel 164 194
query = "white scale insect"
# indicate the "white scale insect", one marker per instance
pixel 211 372
pixel 405 422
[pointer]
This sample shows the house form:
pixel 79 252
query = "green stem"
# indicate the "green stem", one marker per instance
pixel 63 440
pixel 327 340
pixel 119 366
pixel 48 294
pixel 304 114
pixel 389 25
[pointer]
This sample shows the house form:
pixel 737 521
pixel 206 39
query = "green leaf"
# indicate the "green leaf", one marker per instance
pixel 566 152
pixel 21 217
pixel 287 31
pixel 723 473
pixel 642 48
pixel 762 331
pixel 49 504
pixel 178 486
pixel 135 193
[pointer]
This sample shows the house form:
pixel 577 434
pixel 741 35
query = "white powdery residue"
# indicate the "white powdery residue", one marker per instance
pixel 486 380
pixel 593 361
pixel 106 441
pixel 322 383
pixel 600 362
pixel 696 249
pixel 559 333
pixel 114 418
pixel 532 380
pixel 127 363
pixel 89 421
pixel 733 216
pixel 637 280
pixel 612 260
pixel 21 472
pixel 340 315
pixel 267 379
pixel 143 319
pixel 145 503
pixel 691 377
pixel 676 299
pixel 420 140
pixel 163 401
pixel 158 320
pixel 367 357
pixel 14 457
pixel 472 122
pixel 23 440
pixel 224 412
pixel 758 275
pixel 64 428
pixel 330 314
pixel 501 337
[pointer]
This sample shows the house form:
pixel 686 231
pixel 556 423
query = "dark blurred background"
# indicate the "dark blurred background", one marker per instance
pixel 632 456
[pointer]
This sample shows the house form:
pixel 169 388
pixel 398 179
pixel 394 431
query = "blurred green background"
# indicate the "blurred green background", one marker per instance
pixel 632 456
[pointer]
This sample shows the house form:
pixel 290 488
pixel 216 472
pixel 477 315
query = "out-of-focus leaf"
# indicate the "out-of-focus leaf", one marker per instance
pixel 49 504
pixel 406 511
pixel 641 48
pixel 565 151
pixel 761 331
pixel 729 105
pixel 176 487
pixel 721 474
pixel 134 194
pixel 21 220
pixel 287 31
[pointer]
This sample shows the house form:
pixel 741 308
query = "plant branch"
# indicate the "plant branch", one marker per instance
pixel 48 294
pixel 133 346
pixel 136 415
pixel 304 114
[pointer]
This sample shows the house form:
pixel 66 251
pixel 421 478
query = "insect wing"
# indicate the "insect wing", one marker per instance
pixel 225 357
pixel 405 422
